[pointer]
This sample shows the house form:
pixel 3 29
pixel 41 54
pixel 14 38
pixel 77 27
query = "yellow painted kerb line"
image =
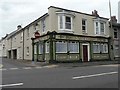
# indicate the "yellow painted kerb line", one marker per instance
pixel 1 65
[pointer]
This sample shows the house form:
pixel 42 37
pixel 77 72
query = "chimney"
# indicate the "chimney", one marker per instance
pixel 95 13
pixel 113 18
pixel 19 27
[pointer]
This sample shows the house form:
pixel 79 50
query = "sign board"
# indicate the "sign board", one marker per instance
pixel 37 34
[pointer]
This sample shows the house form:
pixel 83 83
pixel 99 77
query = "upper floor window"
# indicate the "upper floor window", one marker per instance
pixel 43 25
pixel 65 22
pixel 27 50
pixel 102 28
pixel 28 33
pixel 84 25
pixel 99 27
pixel 21 37
pixel 115 33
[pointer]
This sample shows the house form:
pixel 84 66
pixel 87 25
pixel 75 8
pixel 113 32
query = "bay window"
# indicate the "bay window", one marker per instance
pixel 99 27
pixel 65 22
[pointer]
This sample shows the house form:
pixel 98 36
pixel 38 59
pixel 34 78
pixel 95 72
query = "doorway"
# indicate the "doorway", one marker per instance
pixel 85 52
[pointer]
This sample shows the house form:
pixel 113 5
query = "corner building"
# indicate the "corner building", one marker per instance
pixel 71 36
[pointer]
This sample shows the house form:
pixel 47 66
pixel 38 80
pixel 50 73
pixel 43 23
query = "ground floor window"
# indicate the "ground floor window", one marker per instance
pixel 96 48
pixel 47 44
pixel 73 47
pixel 35 49
pixel 116 50
pixel 100 47
pixel 61 47
pixel 64 47
pixel 40 48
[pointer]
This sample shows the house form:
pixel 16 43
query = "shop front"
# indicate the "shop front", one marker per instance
pixel 63 47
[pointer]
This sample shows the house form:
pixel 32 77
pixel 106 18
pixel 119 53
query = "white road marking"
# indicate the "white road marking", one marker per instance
pixel 27 68
pixel 9 85
pixel 38 67
pixel 3 69
pixel 87 76
pixel 13 68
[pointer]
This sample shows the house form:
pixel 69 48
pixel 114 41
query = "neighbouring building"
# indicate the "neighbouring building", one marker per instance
pixel 3 46
pixel 119 12
pixel 115 38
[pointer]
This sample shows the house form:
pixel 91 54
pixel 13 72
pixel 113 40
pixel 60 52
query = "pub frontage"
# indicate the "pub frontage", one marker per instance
pixel 65 47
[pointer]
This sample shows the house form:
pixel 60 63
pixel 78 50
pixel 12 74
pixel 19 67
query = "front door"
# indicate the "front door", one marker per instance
pixel 85 53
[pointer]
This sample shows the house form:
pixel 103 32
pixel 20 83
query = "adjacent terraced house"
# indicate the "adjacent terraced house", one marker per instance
pixel 62 35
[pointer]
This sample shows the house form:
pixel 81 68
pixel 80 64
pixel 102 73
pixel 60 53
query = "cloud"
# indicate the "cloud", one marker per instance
pixel 14 12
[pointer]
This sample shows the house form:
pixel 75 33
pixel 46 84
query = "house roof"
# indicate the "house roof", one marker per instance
pixel 35 21
pixel 76 12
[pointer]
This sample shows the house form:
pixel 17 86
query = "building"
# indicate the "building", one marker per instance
pixel 115 43
pixel 62 35
pixel 119 12
pixel 3 46
pixel 71 36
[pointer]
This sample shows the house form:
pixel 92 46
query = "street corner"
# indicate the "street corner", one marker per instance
pixel 51 66
pixel 1 66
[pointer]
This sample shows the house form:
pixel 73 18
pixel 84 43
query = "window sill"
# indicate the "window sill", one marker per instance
pixel 66 30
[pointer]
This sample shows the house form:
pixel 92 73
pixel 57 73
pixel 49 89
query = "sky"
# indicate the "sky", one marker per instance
pixel 23 12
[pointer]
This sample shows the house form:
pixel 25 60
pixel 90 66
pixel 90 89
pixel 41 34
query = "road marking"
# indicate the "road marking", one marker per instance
pixel 9 85
pixel 13 68
pixel 27 68
pixel 87 76
pixel 50 66
pixel 3 69
pixel 38 67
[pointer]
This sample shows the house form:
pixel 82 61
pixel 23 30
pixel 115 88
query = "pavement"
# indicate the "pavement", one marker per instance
pixel 30 63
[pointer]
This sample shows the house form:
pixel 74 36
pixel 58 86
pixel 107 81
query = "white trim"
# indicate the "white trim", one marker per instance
pixel 88 45
pixel 64 29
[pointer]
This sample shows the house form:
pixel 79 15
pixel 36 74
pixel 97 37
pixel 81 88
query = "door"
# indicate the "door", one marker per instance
pixel 85 53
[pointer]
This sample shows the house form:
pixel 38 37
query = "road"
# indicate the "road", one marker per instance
pixel 17 75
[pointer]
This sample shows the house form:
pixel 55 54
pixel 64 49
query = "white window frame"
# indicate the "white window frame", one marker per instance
pixel 28 51
pixel 43 25
pixel 21 36
pixel 99 27
pixel 40 46
pixel 35 49
pixel 47 46
pixel 84 31
pixel 97 44
pixel 28 32
pixel 77 43
pixel 58 42
pixel 64 22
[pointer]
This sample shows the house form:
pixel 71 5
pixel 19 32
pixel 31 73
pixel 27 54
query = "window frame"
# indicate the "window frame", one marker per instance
pixel 84 31
pixel 59 43
pixel 63 17
pixel 75 43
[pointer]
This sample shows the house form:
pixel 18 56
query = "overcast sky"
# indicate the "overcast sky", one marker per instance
pixel 22 12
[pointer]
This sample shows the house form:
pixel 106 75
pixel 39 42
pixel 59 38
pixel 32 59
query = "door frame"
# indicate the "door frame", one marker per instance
pixel 88 47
